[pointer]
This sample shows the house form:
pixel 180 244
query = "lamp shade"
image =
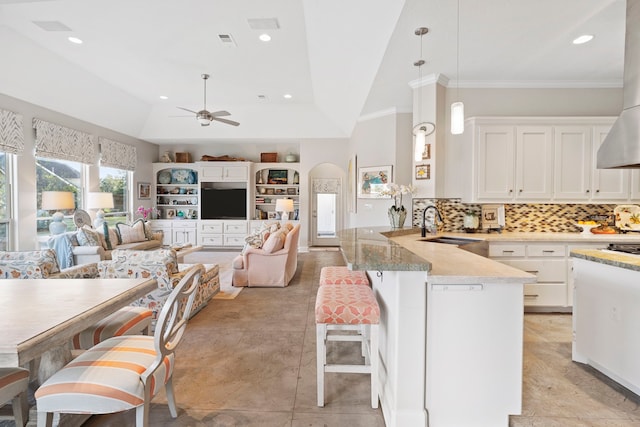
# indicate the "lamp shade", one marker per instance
pixel 284 205
pixel 57 200
pixel 99 201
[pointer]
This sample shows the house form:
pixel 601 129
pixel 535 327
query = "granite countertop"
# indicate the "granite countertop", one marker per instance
pixel 509 236
pixel 616 259
pixel 378 248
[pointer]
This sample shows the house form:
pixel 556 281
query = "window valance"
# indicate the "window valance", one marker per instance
pixel 59 142
pixel 117 155
pixel 11 132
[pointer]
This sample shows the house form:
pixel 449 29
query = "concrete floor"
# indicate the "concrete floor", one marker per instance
pixel 251 362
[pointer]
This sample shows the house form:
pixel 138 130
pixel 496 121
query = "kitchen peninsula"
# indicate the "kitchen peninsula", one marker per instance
pixel 451 329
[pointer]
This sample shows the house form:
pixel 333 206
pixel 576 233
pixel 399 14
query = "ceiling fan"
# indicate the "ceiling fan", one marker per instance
pixel 204 117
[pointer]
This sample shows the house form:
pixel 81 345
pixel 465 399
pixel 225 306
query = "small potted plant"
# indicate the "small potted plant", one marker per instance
pixel 397 212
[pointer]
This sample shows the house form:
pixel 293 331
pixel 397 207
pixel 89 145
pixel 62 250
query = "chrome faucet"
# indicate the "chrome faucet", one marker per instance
pixel 433 229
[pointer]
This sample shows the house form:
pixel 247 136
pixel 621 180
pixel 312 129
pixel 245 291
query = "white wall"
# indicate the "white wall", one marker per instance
pixel 24 208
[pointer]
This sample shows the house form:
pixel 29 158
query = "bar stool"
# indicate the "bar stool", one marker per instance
pixel 344 308
pixel 13 386
pixel 341 275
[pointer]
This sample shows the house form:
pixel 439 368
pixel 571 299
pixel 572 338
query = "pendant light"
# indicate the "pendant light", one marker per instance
pixel 423 129
pixel 457 108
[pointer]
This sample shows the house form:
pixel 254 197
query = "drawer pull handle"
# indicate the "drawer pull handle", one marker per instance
pixel 531 295
pixel 532 271
pixel 507 252
pixel 548 251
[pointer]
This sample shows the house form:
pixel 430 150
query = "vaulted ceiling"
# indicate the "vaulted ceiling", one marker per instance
pixel 338 59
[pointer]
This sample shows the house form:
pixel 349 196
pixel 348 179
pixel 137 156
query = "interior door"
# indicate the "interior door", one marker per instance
pixel 325 197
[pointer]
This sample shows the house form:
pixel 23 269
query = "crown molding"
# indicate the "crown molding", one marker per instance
pixel 535 84
pixel 438 78
pixel 384 113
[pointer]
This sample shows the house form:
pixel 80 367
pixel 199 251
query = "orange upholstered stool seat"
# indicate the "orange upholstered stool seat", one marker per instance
pixel 346 308
pixel 340 275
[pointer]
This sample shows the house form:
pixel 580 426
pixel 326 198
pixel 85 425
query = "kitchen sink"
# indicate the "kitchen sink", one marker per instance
pixel 451 240
pixel 477 246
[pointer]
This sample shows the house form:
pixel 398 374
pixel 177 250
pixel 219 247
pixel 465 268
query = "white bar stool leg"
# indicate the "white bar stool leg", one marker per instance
pixel 375 362
pixel 321 361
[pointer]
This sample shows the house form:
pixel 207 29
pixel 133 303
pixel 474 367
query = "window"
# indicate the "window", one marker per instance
pixel 116 182
pixel 57 175
pixel 5 198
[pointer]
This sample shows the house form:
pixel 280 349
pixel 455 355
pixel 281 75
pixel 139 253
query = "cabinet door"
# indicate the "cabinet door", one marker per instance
pixel 635 185
pixel 236 173
pixel 211 173
pixel 495 162
pixel 572 171
pixel 534 163
pixel 608 184
pixel 184 235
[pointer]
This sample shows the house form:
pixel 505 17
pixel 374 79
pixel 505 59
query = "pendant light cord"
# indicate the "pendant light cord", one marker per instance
pixel 458 53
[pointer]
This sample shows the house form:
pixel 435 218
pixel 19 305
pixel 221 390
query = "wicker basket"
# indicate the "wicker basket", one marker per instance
pixel 268 157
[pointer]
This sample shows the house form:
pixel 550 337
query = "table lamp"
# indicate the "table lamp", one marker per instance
pixel 99 201
pixel 56 201
pixel 285 206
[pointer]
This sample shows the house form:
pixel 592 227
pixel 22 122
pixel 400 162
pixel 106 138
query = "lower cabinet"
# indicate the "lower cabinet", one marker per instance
pixel 547 261
pixel 176 231
pixel 223 232
pixel 550 263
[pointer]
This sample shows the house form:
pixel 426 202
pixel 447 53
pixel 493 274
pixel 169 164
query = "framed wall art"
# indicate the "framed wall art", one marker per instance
pixel 144 191
pixel 426 154
pixel 423 171
pixel 373 180
pixel 277 176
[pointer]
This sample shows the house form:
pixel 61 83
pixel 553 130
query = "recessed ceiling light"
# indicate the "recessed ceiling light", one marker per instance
pixel 287 96
pixel 75 40
pixel 164 97
pixel 265 37
pixel 583 39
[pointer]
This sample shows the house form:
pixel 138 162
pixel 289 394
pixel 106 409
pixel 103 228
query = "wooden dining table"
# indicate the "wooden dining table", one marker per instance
pixel 38 315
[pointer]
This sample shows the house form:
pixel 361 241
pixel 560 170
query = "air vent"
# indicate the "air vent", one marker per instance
pixel 264 24
pixel 227 40
pixel 52 25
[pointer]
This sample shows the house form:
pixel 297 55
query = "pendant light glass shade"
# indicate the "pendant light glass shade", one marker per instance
pixel 457 118
pixel 420 142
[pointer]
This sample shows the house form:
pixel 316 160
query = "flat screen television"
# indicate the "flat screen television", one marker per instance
pixel 223 203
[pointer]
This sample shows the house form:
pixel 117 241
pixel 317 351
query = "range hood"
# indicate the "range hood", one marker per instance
pixel 621 147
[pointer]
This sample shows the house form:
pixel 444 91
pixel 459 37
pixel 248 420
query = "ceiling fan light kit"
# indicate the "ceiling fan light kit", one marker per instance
pixel 204 117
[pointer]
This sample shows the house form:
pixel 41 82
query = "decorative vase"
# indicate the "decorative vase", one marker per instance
pixel 397 216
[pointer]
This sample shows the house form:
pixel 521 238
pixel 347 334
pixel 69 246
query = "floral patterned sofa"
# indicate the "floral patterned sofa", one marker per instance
pixel 159 264
pixel 41 264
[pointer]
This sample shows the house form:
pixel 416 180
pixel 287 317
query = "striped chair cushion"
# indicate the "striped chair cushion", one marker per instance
pixel 13 381
pixel 335 275
pixel 346 304
pixel 126 321
pixel 105 378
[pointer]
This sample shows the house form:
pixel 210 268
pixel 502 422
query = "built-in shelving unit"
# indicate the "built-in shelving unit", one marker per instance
pixel 275 181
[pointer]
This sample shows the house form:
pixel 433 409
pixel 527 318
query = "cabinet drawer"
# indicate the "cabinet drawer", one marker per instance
pixel 183 224
pixel 211 172
pixel 507 250
pixel 211 228
pixel 236 228
pixel 545 270
pixel 215 240
pixel 545 294
pixel 231 240
pixel 547 250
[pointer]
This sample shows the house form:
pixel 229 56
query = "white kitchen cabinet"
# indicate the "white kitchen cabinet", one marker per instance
pixel 573 163
pixel 534 163
pixel 496 151
pixel 224 172
pixel 607 184
pixel 230 233
pixel 547 261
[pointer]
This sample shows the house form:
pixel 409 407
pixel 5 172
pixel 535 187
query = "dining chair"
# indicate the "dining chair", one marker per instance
pixel 124 372
pixel 13 386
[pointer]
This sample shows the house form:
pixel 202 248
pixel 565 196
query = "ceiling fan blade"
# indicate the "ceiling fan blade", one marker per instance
pixel 229 122
pixel 186 109
pixel 220 113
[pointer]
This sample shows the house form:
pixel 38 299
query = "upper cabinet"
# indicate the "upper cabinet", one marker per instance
pixel 275 181
pixel 522 159
pixel 224 171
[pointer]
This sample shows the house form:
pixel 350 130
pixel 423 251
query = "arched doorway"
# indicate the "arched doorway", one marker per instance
pixel 326 199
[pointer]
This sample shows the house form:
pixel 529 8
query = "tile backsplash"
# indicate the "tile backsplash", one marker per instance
pixel 544 217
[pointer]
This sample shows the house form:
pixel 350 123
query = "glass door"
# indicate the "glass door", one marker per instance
pixel 326 206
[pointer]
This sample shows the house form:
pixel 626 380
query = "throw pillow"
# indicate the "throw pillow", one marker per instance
pixel 254 240
pixel 131 233
pixel 88 236
pixel 274 243
pixel 109 236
